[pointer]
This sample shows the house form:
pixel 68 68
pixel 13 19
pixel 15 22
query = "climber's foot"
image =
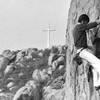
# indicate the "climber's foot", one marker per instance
pixel 97 87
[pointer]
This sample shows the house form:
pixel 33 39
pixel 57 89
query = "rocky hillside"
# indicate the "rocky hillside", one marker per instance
pixel 78 87
pixel 32 74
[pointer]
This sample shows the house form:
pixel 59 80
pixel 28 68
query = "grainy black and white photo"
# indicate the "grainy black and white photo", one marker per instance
pixel 49 49
pixel 33 49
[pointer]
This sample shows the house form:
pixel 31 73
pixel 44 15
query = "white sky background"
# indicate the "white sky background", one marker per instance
pixel 22 22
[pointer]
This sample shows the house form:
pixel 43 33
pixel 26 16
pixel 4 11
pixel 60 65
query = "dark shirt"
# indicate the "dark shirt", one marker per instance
pixel 79 34
pixel 97 44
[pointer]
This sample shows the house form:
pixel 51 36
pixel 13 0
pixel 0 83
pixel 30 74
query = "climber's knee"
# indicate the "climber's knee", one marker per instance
pixel 78 59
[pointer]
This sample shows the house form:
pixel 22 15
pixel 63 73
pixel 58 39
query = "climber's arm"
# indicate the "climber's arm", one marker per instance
pixel 93 24
pixel 83 27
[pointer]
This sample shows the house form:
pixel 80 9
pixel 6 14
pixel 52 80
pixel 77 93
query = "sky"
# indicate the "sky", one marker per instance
pixel 22 23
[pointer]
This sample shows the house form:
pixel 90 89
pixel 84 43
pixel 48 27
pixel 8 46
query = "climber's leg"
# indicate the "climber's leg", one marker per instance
pixel 96 78
pixel 95 62
pixel 92 59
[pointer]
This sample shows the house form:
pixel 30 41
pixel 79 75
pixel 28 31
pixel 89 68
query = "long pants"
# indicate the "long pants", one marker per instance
pixel 95 62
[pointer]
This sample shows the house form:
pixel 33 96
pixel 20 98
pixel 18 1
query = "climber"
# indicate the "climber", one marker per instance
pixel 83 51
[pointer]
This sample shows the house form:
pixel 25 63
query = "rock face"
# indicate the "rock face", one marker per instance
pixel 77 85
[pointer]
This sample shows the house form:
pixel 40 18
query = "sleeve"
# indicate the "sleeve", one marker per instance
pixel 91 25
pixel 83 27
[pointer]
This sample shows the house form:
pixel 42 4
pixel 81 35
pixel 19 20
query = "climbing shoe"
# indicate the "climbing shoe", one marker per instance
pixel 97 88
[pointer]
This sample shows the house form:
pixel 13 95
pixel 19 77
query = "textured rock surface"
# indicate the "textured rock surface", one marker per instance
pixel 77 85
pixel 56 90
pixel 17 68
pixel 24 73
pixel 30 91
pixel 54 94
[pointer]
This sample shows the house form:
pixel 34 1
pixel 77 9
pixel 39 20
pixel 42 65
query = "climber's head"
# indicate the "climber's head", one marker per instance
pixel 83 19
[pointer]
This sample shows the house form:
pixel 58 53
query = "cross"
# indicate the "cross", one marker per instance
pixel 48 35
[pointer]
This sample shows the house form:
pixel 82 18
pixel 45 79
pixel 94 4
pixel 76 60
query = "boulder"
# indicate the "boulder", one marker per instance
pixel 50 59
pixel 30 91
pixel 54 65
pixel 10 84
pixel 40 54
pixel 9 54
pixel 13 89
pixel 58 83
pixel 6 96
pixel 28 57
pixel 36 75
pixel 40 76
pixel 53 94
pixel 9 69
pixel 21 74
pixel 44 75
pixel 61 66
pixel 49 70
pixel 55 90
pixel 3 63
pixel 60 59
pixel 58 62
pixel 54 50
pixel 20 55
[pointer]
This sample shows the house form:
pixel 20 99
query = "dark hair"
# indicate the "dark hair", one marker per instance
pixel 83 17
